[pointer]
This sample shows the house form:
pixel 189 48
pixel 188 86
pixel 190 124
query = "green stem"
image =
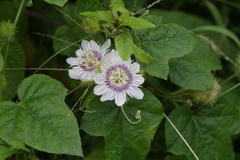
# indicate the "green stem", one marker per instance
pixel 18 13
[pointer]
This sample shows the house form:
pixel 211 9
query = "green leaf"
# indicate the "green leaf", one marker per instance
pixel 96 154
pixel 193 71
pixel 221 30
pixel 141 55
pixel 185 19
pixel 173 157
pixel 104 16
pixel 135 22
pixel 163 43
pixel 1 62
pixel 122 139
pixel 89 5
pixel 41 120
pixel 5 150
pixel 205 132
pixel 124 44
pixel 118 7
pixel 65 36
pixel 16 59
pixel 59 3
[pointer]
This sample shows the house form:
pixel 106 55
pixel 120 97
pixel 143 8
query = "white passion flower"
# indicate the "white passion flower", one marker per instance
pixel 118 78
pixel 85 65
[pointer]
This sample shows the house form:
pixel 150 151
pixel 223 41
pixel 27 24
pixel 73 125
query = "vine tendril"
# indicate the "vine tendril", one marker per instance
pixel 137 116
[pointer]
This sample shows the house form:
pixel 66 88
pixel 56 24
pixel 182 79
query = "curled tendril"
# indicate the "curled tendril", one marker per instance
pixel 137 116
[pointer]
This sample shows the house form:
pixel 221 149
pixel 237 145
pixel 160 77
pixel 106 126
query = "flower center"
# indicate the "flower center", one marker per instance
pixel 118 78
pixel 89 60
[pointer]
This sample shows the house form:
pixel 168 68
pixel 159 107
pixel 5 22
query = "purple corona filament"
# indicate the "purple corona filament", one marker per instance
pixel 121 75
pixel 89 62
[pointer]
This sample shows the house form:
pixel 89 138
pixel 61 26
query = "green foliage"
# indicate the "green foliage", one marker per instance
pixel 67 35
pixel 124 44
pixel 193 71
pixel 5 150
pixel 96 154
pixel 59 3
pixel 215 13
pixel 164 42
pixel 15 59
pixel 104 16
pixel 189 64
pixel 221 30
pixel 203 131
pixel 89 5
pixel 121 140
pixel 187 20
pixel 142 56
pixel 47 126
pixel 134 22
pixel 1 62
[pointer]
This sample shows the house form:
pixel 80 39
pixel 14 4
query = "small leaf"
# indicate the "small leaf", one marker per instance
pixel 59 3
pixel 104 16
pixel 142 56
pixel 117 6
pixel 124 44
pixel 221 30
pixel 193 71
pixel 41 120
pixel 1 62
pixel 135 22
pixel 122 139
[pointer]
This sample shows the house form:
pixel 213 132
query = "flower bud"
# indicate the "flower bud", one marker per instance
pixel 91 25
pixel 207 97
pixel 7 30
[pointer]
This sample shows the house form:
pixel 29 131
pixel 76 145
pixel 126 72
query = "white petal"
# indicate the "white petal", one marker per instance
pixel 108 96
pixel 112 58
pixel 138 80
pixel 128 62
pixel 75 73
pixel 134 67
pixel 73 61
pixel 135 92
pixel 99 78
pixel 94 45
pixel 100 89
pixel 89 76
pixel 79 52
pixel 120 99
pixel 86 46
pixel 106 45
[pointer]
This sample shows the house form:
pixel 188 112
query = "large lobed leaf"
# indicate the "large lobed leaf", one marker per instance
pixel 122 139
pixel 41 119
pixel 209 130
pixel 163 42
pixel 193 71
